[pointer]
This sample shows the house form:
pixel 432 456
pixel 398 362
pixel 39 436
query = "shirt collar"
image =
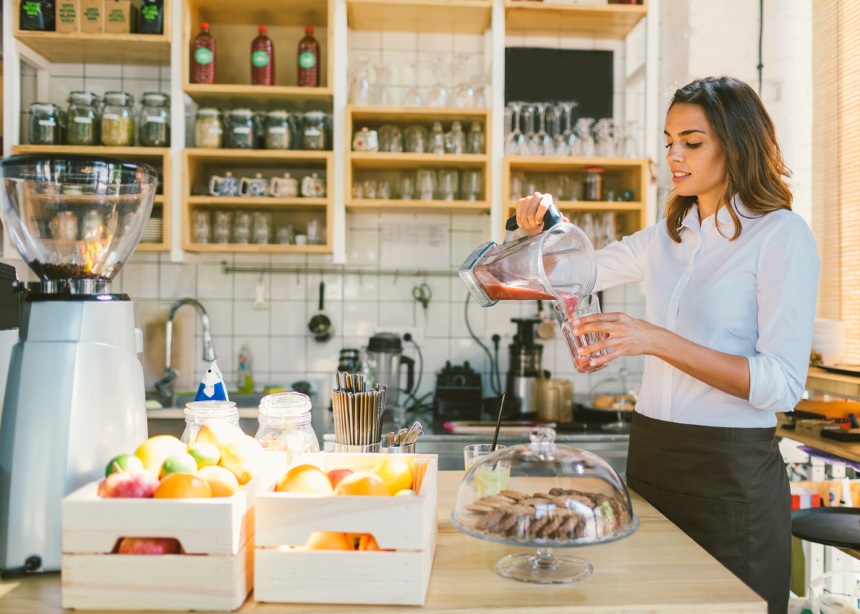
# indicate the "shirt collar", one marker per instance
pixel 724 216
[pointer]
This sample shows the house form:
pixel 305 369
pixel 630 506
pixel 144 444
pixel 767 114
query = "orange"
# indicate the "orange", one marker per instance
pixel 365 541
pixel 395 473
pixel 305 479
pixel 222 482
pixel 328 540
pixel 182 486
pixel 362 483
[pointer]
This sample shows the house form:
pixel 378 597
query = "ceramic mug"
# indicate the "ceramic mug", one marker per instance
pixel 258 186
pixel 284 187
pixel 227 185
pixel 313 186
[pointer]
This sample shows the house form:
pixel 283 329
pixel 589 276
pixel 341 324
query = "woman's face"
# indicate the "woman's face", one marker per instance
pixel 697 161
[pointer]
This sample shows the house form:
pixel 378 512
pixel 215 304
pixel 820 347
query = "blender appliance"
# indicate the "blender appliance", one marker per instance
pixel 75 392
pixel 385 359
pixel 525 360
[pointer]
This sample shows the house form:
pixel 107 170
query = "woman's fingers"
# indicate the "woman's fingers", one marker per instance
pixel 531 209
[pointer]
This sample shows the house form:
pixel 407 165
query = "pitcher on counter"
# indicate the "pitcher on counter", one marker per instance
pixel 730 278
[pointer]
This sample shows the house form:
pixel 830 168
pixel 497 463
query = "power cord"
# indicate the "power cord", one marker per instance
pixel 493 363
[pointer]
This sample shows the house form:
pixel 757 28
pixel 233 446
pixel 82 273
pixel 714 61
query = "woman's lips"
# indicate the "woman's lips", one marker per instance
pixel 679 176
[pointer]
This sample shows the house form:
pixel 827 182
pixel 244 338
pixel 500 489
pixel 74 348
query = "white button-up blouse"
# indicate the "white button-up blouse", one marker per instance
pixel 753 297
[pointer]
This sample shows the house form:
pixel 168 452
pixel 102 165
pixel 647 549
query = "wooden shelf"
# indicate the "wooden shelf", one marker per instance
pixel 228 95
pixel 299 13
pixel 395 161
pixel 260 157
pixel 544 164
pixel 257 202
pixel 586 205
pixel 116 152
pixel 614 21
pixel 258 249
pixel 152 247
pixel 374 113
pixel 80 48
pixel 444 16
pixel 418 206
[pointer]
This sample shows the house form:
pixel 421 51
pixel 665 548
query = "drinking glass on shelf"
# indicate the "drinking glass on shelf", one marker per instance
pixel 604 138
pixel 437 95
pixel 426 184
pixel 201 226
pixel 359 92
pixel 223 221
pixel 518 181
pixel 242 227
pixel 515 140
pixel 626 145
pixel 532 145
pixel 286 235
pixel 407 185
pixel 370 189
pixel 415 139
pixel 464 91
pixel 390 139
pixel 584 144
pixel 357 190
pixel 381 86
pixel 476 142
pixel 436 139
pixel 455 139
pixel 262 224
pixel 472 185
pixel 568 110
pixel 384 190
pixel 314 231
pixel 541 142
pixel 448 188
pixel 412 95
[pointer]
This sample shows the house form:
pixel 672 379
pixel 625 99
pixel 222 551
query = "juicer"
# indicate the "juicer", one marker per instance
pixel 75 391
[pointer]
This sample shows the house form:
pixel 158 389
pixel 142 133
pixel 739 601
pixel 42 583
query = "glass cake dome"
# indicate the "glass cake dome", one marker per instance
pixel 544 495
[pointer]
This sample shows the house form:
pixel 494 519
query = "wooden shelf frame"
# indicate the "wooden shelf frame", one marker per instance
pixel 614 21
pixel 426 16
pixel 257 96
pixel 430 207
pixel 146 155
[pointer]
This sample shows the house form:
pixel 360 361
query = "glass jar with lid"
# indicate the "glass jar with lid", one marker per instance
pixel 118 120
pixel 208 129
pixel 278 130
pixel 314 131
pixel 154 124
pixel 593 184
pixel 285 424
pixel 45 124
pixel 198 413
pixel 83 119
pixel 240 129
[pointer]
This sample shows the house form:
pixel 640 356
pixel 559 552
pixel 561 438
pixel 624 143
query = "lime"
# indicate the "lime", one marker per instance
pixel 124 462
pixel 205 454
pixel 178 463
pixel 406 492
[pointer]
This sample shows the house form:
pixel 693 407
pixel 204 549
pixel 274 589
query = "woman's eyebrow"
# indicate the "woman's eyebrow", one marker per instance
pixel 686 132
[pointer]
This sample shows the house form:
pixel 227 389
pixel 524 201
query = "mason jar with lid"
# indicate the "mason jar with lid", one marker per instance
pixel 45 124
pixel 208 129
pixel 83 119
pixel 118 120
pixel 198 413
pixel 154 125
pixel 593 183
pixel 278 130
pixel 313 131
pixel 240 129
pixel 285 424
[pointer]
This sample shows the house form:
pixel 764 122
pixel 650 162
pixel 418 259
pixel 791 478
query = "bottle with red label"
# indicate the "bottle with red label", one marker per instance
pixel 309 60
pixel 263 59
pixel 203 56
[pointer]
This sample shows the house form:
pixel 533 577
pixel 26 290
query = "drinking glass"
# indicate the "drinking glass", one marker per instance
pixel 584 144
pixel 262 224
pixel 412 95
pixel 426 184
pixel 223 221
pixel 286 235
pixel 415 139
pixel 472 185
pixel 201 227
pixel 370 189
pixel 359 92
pixel 390 139
pixel 541 142
pixel 437 96
pixel 384 190
pixel 568 108
pixel 604 138
pixel 518 181
pixel 381 86
pixel 586 305
pixel 407 185
pixel 314 231
pixel 242 227
pixel 455 139
pixel 447 184
pixel 476 142
pixel 464 91
pixel 515 140
pixel 492 479
pixel 436 140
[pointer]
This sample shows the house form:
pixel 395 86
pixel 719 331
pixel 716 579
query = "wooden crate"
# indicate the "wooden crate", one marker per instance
pixel 405 524
pixel 215 573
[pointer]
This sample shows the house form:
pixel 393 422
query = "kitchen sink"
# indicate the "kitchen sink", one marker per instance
pixel 242 400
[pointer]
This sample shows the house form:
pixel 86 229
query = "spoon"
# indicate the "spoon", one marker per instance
pixel 415 431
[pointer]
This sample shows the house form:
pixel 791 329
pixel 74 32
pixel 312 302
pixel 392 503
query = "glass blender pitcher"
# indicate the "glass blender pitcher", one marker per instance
pixel 556 264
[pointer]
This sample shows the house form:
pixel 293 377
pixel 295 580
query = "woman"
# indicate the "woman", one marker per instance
pixel 731 276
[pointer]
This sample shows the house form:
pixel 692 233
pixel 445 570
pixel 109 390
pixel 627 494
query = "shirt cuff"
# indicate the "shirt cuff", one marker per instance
pixel 772 386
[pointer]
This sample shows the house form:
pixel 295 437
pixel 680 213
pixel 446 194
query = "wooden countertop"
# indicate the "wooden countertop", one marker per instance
pixel 657 569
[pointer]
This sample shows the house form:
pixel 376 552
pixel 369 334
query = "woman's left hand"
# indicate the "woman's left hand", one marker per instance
pixel 625 336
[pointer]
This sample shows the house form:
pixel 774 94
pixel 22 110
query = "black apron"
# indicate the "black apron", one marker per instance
pixel 727 488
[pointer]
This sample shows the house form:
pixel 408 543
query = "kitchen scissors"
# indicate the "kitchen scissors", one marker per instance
pixel 422 294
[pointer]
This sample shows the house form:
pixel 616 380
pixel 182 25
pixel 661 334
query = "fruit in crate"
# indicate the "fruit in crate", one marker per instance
pixel 182 462
pixel 365 541
pixel 395 473
pixel 218 433
pixel 329 540
pixel 245 457
pixel 149 545
pixel 336 475
pixel 221 481
pixel 206 454
pixel 362 483
pixel 182 486
pixel 128 485
pixel 308 479
pixel 123 462
pixel 153 452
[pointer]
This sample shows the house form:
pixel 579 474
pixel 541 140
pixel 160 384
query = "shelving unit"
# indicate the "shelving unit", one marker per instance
pixel 158 157
pixel 619 174
pixel 200 164
pixel 585 20
pixel 389 164
pixel 440 16
pixel 234 96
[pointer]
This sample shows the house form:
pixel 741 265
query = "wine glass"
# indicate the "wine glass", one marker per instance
pixel 584 144
pixel 437 95
pixel 464 92
pixel 359 91
pixel 381 87
pixel 541 141
pixel 412 94
pixel 515 140
pixel 604 138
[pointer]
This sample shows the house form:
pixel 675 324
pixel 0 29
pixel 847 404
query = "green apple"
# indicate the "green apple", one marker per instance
pixel 206 454
pixel 178 463
pixel 124 462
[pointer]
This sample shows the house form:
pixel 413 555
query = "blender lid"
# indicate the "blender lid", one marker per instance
pixel 385 342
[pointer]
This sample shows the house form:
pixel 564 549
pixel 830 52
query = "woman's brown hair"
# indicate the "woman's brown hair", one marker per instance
pixel 754 164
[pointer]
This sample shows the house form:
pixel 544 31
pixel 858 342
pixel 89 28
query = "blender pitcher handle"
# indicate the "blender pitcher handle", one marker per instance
pixel 410 372
pixel 551 218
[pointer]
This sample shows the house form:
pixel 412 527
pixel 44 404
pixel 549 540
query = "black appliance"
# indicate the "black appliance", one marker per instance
pixel 458 395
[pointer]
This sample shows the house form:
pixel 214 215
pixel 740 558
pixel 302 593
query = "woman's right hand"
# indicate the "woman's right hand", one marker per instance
pixel 531 209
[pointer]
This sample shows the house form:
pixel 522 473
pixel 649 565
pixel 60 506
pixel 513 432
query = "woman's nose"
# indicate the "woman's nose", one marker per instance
pixel 674 153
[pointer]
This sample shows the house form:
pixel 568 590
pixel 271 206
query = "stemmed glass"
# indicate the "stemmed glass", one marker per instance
pixel 515 141
pixel 438 94
pixel 560 146
pixel 412 95
pixel 359 91
pixel 604 138
pixel 584 144
pixel 464 92
pixel 541 142
pixel 381 89
pixel 568 136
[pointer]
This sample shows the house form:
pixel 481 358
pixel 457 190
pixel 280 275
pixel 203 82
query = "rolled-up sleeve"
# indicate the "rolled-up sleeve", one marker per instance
pixel 787 281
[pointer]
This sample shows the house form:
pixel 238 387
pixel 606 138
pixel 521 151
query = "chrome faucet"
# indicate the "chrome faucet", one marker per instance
pixel 165 384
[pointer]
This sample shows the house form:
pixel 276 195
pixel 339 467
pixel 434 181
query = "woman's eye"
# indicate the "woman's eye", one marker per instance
pixel 667 145
pixel 694 145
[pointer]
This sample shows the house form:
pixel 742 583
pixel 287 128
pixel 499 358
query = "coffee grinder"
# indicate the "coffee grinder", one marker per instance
pixel 525 359
pixel 75 391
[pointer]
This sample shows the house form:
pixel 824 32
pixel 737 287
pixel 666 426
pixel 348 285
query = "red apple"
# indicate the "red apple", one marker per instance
pixel 336 475
pixel 128 485
pixel 149 545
